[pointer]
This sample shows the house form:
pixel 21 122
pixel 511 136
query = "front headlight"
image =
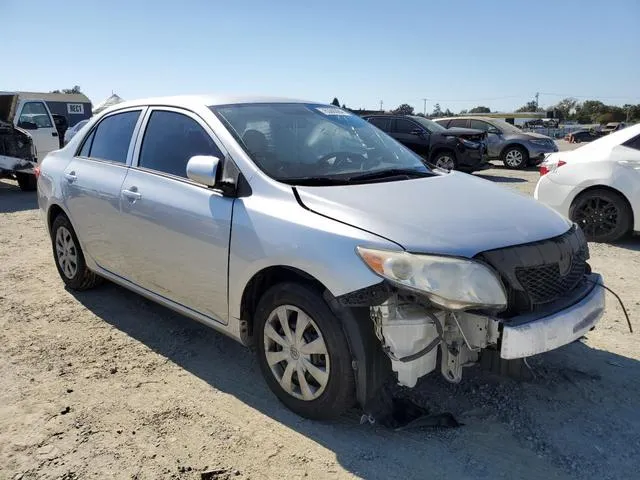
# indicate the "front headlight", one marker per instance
pixel 452 283
pixel 541 141
pixel 468 143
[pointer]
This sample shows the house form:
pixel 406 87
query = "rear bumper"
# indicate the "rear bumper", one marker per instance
pixel 523 339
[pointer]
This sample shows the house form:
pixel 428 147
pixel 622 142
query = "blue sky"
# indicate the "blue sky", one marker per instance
pixel 459 53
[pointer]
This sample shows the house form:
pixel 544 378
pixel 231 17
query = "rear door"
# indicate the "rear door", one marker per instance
pixel 92 184
pixel 34 116
pixel 412 135
pixel 176 232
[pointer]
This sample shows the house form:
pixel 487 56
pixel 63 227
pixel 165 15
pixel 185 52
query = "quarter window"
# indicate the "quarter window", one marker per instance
pixel 35 112
pixel 170 140
pixel 111 138
pixel 633 143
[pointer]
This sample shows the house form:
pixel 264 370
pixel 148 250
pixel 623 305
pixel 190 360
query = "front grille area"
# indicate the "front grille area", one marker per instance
pixel 538 273
pixel 545 283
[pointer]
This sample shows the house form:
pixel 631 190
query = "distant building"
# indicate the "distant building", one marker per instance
pixel 73 106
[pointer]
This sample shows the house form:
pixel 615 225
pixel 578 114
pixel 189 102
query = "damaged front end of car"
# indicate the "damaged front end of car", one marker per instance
pixel 517 301
pixel 17 154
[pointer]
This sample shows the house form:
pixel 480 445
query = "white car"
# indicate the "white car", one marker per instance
pixel 597 185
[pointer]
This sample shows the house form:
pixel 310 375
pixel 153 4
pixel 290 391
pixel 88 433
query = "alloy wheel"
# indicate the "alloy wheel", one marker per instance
pixel 513 158
pixel 445 161
pixel 296 352
pixel 66 252
pixel 597 217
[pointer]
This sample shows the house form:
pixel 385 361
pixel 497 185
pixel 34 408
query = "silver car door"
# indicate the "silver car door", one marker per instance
pixel 176 232
pixel 92 184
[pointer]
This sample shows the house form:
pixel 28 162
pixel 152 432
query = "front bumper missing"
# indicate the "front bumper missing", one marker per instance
pixel 547 333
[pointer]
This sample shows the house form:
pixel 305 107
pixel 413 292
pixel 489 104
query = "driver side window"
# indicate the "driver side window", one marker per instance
pixel 480 125
pixel 405 126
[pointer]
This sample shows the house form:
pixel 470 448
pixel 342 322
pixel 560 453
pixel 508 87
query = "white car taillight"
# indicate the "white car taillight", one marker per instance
pixel 550 167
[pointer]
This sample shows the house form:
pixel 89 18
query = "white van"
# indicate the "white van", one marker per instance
pixel 34 116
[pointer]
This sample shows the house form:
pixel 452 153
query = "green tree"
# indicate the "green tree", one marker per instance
pixel 480 109
pixel 404 109
pixel 335 102
pixel 448 113
pixel 566 106
pixel 530 106
pixel 437 112
pixel 464 112
pixel 75 89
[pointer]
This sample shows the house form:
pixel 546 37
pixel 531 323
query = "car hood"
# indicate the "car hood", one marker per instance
pixel 452 214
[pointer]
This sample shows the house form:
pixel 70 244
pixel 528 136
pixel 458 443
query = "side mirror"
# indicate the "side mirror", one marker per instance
pixel 203 169
pixel 28 125
pixel 495 131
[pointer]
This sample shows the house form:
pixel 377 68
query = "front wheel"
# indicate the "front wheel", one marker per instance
pixel 515 157
pixel 446 160
pixel 303 353
pixel 603 215
pixel 69 257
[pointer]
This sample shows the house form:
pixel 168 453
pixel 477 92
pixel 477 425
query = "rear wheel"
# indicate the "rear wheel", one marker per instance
pixel 26 182
pixel 515 157
pixel 603 215
pixel 69 257
pixel 303 353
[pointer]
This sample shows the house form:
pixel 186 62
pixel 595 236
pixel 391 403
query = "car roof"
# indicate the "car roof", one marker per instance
pixel 467 117
pixel 200 100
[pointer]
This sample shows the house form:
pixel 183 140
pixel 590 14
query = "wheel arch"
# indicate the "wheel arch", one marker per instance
pixel 608 188
pixel 512 144
pixel 441 149
pixel 371 365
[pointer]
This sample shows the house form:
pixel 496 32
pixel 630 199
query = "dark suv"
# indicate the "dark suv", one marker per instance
pixel 453 148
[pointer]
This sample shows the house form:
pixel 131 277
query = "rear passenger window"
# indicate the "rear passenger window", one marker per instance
pixel 480 125
pixel 170 140
pixel 111 138
pixel 633 143
pixel 458 123
pixel 381 123
pixel 405 126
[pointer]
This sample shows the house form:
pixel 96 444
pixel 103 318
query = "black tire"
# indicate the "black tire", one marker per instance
pixel 603 215
pixel 27 182
pixel 516 151
pixel 339 392
pixel 82 278
pixel 448 156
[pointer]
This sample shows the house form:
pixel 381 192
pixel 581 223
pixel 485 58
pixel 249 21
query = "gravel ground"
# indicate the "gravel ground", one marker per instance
pixel 105 384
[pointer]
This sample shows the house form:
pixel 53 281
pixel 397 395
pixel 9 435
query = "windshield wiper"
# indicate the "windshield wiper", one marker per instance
pixel 315 181
pixel 392 172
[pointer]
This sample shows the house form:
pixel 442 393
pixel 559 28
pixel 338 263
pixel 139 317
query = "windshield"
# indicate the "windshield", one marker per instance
pixel 294 142
pixel 504 126
pixel 430 125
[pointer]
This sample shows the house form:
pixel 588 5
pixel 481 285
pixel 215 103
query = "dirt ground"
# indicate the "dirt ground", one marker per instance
pixel 105 384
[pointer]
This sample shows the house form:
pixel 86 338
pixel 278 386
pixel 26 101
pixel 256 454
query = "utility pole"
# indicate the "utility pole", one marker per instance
pixel 425 107
pixel 537 96
pixel 381 105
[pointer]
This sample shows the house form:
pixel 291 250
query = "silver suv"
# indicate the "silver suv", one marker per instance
pixel 306 232
pixel 516 148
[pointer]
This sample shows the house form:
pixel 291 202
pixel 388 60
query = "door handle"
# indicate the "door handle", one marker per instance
pixel 54 134
pixel 71 177
pixel 132 194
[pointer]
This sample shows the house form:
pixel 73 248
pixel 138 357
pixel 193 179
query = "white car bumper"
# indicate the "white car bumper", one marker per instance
pixel 553 331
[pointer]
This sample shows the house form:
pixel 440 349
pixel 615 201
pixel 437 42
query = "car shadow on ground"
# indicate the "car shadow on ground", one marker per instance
pixel 500 178
pixel 12 199
pixel 559 425
pixel 630 243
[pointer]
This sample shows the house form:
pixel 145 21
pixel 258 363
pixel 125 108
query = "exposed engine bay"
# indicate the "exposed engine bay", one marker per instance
pixel 411 333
